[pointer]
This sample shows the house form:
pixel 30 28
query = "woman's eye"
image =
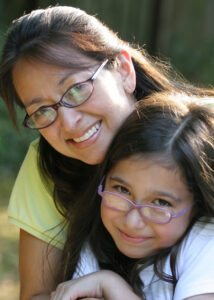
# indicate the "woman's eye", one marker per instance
pixel 121 190
pixel 43 111
pixel 162 202
pixel 78 93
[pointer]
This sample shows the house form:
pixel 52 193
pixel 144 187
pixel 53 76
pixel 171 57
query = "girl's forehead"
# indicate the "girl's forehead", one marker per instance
pixel 148 175
pixel 162 159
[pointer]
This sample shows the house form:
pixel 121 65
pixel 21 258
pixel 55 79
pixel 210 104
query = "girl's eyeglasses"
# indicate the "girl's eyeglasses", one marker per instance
pixel 150 213
pixel 76 95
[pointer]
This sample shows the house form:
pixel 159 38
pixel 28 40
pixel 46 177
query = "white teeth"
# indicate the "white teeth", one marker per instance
pixel 88 134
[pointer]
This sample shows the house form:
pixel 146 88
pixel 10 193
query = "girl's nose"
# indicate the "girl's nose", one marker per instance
pixel 69 118
pixel 133 219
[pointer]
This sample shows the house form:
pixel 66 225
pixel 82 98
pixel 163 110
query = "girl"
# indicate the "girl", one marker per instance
pixel 77 82
pixel 157 206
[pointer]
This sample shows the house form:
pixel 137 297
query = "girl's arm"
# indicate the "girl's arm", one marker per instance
pixel 99 285
pixel 37 271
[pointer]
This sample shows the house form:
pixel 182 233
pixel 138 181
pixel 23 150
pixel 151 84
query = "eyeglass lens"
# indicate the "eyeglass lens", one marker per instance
pixel 75 96
pixel 151 213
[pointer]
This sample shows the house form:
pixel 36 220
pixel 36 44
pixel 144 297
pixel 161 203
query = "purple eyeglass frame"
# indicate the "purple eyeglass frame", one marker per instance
pixel 138 207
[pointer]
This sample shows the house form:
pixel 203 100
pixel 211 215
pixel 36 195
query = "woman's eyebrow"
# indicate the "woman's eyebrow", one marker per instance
pixel 33 101
pixel 64 78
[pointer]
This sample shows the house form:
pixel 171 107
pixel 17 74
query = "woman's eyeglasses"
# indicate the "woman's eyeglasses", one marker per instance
pixel 151 213
pixel 76 95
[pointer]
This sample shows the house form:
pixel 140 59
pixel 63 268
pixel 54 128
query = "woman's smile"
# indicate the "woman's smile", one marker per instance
pixel 86 131
pixel 88 138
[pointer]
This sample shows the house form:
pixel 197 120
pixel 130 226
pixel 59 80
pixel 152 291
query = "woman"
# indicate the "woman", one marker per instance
pixel 63 56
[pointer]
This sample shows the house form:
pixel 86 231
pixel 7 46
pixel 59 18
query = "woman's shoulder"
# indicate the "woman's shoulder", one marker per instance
pixel 30 174
pixel 31 205
pixel 33 147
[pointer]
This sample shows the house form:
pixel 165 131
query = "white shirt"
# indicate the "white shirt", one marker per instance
pixel 195 267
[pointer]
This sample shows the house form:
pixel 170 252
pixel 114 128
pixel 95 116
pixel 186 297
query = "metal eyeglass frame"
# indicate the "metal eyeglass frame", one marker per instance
pixel 62 103
pixel 138 207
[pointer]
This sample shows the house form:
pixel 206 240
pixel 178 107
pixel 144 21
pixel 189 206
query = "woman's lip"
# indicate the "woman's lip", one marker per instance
pixel 86 130
pixel 133 239
pixel 90 140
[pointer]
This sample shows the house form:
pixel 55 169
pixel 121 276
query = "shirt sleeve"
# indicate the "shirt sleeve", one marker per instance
pixel 196 263
pixel 31 205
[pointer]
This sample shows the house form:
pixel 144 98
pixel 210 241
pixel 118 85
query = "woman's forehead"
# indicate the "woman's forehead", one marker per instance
pixel 59 56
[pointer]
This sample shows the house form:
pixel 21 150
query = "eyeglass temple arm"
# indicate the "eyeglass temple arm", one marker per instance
pixel 183 211
pixel 100 187
pixel 99 69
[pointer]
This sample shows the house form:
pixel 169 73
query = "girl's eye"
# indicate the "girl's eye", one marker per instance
pixel 121 189
pixel 162 202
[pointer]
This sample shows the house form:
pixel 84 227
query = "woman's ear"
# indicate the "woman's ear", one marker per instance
pixel 127 71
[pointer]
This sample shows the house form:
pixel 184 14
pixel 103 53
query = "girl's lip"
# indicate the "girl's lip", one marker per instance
pixel 133 239
pixel 92 139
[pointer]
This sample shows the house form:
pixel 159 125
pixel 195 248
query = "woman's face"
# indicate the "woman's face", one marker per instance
pixel 144 181
pixel 83 132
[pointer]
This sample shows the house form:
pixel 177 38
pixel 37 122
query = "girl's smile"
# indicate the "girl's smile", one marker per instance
pixel 133 238
pixel 146 181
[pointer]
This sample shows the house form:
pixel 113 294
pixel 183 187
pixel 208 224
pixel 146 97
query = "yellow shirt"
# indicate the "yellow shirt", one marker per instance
pixel 31 205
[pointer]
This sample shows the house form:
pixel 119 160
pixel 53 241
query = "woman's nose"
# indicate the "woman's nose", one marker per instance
pixel 69 118
pixel 133 219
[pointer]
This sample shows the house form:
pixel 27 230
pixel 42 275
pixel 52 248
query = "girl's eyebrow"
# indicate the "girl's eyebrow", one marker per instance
pixel 120 180
pixel 154 192
pixel 168 195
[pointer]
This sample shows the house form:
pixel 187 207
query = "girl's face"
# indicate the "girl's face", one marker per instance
pixel 145 181
pixel 83 132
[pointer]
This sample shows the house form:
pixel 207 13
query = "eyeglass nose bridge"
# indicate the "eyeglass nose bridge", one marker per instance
pixel 135 206
pixel 61 103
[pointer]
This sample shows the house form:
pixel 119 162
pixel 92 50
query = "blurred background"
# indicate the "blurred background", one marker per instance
pixel 181 32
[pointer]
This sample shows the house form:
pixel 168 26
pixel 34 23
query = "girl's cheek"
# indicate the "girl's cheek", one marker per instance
pixel 103 212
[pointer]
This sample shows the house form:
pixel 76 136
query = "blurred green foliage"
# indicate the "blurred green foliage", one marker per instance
pixel 13 144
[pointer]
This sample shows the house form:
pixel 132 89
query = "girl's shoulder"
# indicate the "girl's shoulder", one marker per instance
pixel 194 264
pixel 203 229
pixel 198 242
pixel 87 262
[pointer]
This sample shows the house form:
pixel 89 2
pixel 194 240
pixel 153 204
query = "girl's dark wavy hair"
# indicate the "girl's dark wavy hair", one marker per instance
pixel 176 134
pixel 57 35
